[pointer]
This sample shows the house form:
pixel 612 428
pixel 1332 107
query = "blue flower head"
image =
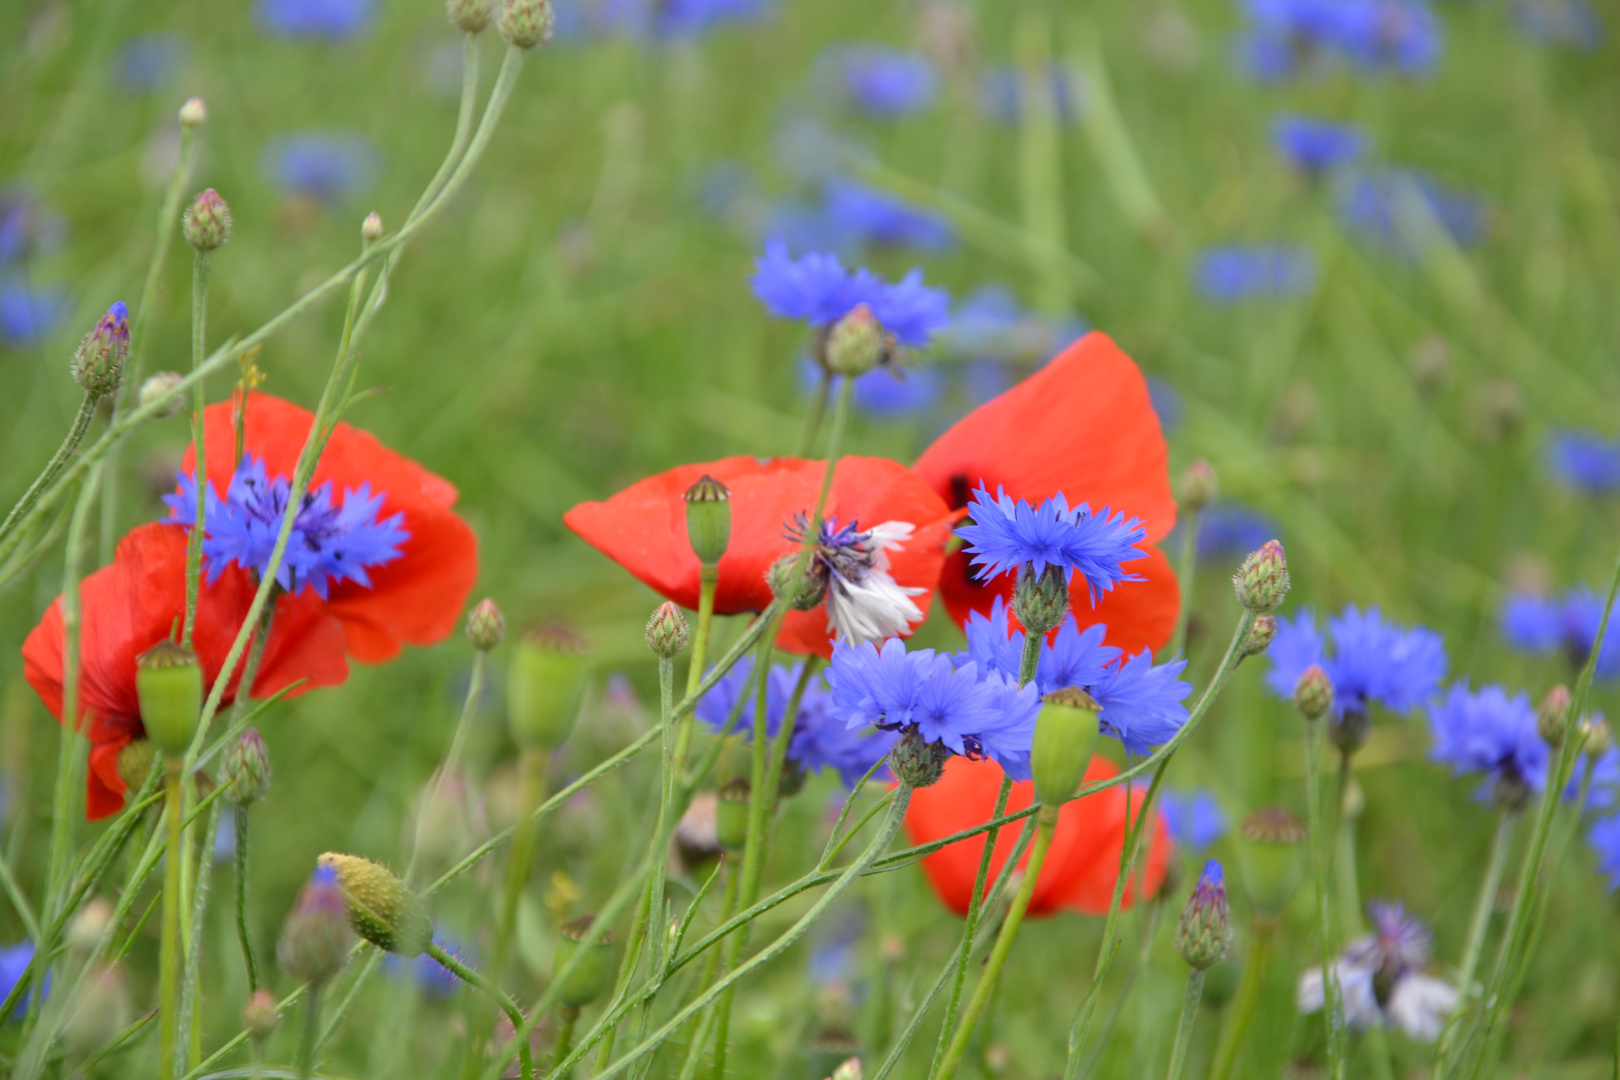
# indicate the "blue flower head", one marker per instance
pixel 331 542
pixel 1371 660
pixel 673 20
pixel 1567 624
pixel 1604 837
pixel 147 62
pixel 869 216
pixel 1317 146
pixel 1194 818
pixel 1491 733
pixel 28 314
pixel 1398 210
pixel 817 289
pixel 1376 36
pixel 14 960
pixel 1235 272
pixel 1232 530
pixel 886 82
pixel 1584 460
pixel 330 19
pixel 1006 536
pixel 327 166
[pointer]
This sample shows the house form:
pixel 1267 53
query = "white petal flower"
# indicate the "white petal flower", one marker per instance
pixel 1419 1006
pixel 868 604
pixel 1355 983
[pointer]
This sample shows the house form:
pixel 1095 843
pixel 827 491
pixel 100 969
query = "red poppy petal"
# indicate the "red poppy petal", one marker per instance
pixel 1082 425
pixel 416 599
pixel 104 792
pixel 306 642
pixel 1089 886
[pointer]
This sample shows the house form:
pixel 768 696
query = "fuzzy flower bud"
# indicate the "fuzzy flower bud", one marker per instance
pixel 247 769
pixel 917 762
pixel 1199 485
pixel 259 1015
pixel 381 909
pixel 1065 733
pixel 315 939
pixel 486 626
pixel 708 519
pixel 856 344
pixel 206 223
pixel 193 114
pixel 666 631
pixel 156 387
pixel 90 925
pixel 1313 694
pixel 469 16
pixel 99 362
pixel 169 687
pixel 1273 852
pixel 1262 580
pixel 1597 737
pixel 848 1070
pixel 371 229
pixel 806 590
pixel 1553 714
pixel 545 685
pixel 591 975
pixel 525 23
pixel 1204 934
pixel 1041 600
pixel 1261 635
pixel 135 762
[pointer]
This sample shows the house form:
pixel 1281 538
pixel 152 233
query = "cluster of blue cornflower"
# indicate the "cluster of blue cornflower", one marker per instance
pixel 817 289
pixel 1566 625
pixel 1290 38
pixel 28 310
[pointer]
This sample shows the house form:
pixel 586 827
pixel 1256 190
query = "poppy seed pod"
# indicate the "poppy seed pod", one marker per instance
pixel 666 631
pixel 1065 735
pixel 525 23
pixel 1204 935
pixel 1262 581
pixel 247 769
pixel 206 223
pixel 315 939
pixel 1313 694
pixel 731 814
pixel 98 364
pixel 1041 600
pixel 545 685
pixel 169 687
pixel 856 344
pixel 708 519
pixel 591 975
pixel 381 909
pixel 1273 854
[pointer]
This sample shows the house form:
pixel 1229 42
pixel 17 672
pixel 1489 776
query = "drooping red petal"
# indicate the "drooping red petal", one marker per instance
pixel 104 789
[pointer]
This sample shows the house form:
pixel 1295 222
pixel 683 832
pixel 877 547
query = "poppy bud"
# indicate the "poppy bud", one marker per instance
pixel 169 687
pixel 315 939
pixel 1261 635
pixel 259 1015
pixel 803 591
pixel 666 631
pixel 1597 738
pixel 156 387
pixel 485 625
pixel 1553 714
pixel 855 344
pixel 1313 693
pixel 545 685
pixel 193 114
pixel 371 229
pixel 1199 485
pixel 708 519
pixel 587 981
pixel 1204 935
pixel 1262 580
pixel 525 23
pixel 1041 600
pixel 1065 733
pixel 135 762
pixel 917 762
pixel 206 224
pixel 469 16
pixel 1273 853
pixel 247 769
pixel 99 362
pixel 381 909
pixel 731 814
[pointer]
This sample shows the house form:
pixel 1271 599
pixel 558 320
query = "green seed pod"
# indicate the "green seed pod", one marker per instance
pixel 1273 858
pixel 1065 735
pixel 666 631
pixel 381 909
pixel 206 223
pixel 545 685
pixel 247 769
pixel 1041 600
pixel 169 686
pixel 1262 580
pixel 708 519
pixel 856 344
pixel 731 815
pixel 591 977
pixel 1313 694
pixel 917 762
pixel 525 23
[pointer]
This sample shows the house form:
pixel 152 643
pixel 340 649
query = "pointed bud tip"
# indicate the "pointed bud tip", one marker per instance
pixel 486 626
pixel 206 224
pixel 1262 582
pixel 667 633
pixel 1313 694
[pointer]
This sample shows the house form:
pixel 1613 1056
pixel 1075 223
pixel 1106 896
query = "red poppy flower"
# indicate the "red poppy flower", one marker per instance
pixel 136 602
pixel 1082 425
pixel 643 529
pixel 1082 864
pixel 415 599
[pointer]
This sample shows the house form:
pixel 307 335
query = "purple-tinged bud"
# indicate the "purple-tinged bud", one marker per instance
pixel 1261 635
pixel 1065 733
pixel 545 684
pixel 1313 693
pixel 169 688
pixel 1204 935
pixel 247 769
pixel 1262 580
pixel 731 814
pixel 315 939
pixel 594 971
pixel 708 519
pixel 917 762
pixel 381 909
pixel 206 223
pixel 1041 600
pixel 486 626
pixel 1199 486
pixel 1553 715
pixel 525 23
pixel 856 344
pixel 469 16
pixel 666 631
pixel 135 762
pixel 99 362
pixel 1273 852
pixel 260 1014
pixel 193 114
pixel 161 387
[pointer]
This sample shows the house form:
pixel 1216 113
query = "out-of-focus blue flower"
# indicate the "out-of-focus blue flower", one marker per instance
pixel 1381 977
pixel 1604 837
pixel 1372 660
pixel 14 960
pixel 149 61
pixel 429 976
pixel 1167 403
pixel 1194 819
pixel 1398 209
pixel 676 19
pixel 225 839
pixel 27 226
pixel 1584 460
pixel 1231 530
pixel 1575 23
pixel 1006 536
pixel 1234 272
pixel 1316 146
pixel 331 19
pixel 1001 93
pixel 1491 733
pixel 884 82
pixel 991 324
pixel 328 166
pixel 27 313
pixel 1567 624
pixel 874 217
pixel 886 390
pixel 1604 791
pixel 1288 37
pixel 817 289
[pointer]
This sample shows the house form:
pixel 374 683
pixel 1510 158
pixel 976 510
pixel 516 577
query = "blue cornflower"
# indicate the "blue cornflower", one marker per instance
pixel 1584 460
pixel 321 165
pixel 431 977
pixel 1491 733
pixel 28 314
pixel 819 290
pixel 1317 146
pixel 1006 536
pixel 1194 819
pixel 991 324
pixel 1403 36
pixel 1372 660
pixel 1001 93
pixel 885 82
pixel 1229 529
pixel 1604 838
pixel 1567 624
pixel 1229 273
pixel 14 960
pixel 331 19
pixel 869 216
pixel 148 61
pixel 887 390
pixel 1575 23
pixel 330 542
pixel 27 226
pixel 676 19
pixel 1397 210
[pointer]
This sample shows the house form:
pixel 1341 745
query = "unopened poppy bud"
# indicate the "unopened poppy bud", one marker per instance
pixel 99 362
pixel 666 631
pixel 788 581
pixel 206 223
pixel 316 937
pixel 525 23
pixel 591 975
pixel 193 114
pixel 1204 935
pixel 135 762
pixel 1041 600
pixel 486 626
pixel 1273 858
pixel 1553 715
pixel 259 1015
pixel 169 687
pixel 1313 693
pixel 708 519
pixel 161 387
pixel 1065 734
pixel 917 762
pixel 381 909
pixel 469 16
pixel 1597 738
pixel 247 769
pixel 1261 635
pixel 1199 485
pixel 856 344
pixel 1262 580
pixel 545 685
pixel 731 814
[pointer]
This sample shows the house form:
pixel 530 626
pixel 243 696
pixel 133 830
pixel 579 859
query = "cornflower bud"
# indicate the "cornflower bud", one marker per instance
pixel 1596 736
pixel 1262 580
pixel 731 814
pixel 1313 693
pixel 193 114
pixel 806 590
pixel 1199 485
pixel 169 687
pixel 848 1070
pixel 1065 733
pixel 545 685
pixel 1553 714
pixel 99 362
pixel 1041 600
pixel 666 631
pixel 917 762
pixel 486 626
pixel 381 909
pixel 1204 934
pixel 587 981
pixel 315 938
pixel 206 223
pixel 371 228
pixel 856 344
pixel 259 1015
pixel 156 386
pixel 247 769
pixel 135 762
pixel 708 519
pixel 525 23
pixel 1261 635
pixel 469 16
pixel 1273 853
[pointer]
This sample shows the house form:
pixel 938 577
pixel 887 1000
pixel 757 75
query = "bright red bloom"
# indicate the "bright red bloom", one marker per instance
pixel 643 528
pixel 1082 864
pixel 136 602
pixel 1082 425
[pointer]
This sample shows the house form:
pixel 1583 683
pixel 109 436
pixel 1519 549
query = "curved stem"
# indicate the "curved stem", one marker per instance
pixel 169 955
pixel 1189 1016
pixel 53 468
pixel 491 991
pixel 242 933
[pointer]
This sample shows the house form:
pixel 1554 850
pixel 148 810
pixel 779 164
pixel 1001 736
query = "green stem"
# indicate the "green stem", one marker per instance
pixel 708 581
pixel 1184 1030
pixel 199 400
pixel 190 1028
pixel 531 787
pixel 1185 570
pixel 169 954
pixel 1489 886
pixel 53 468
pixel 311 1034
pixel 491 991
pixel 241 898
pixel 666 805
pixel 1236 1033
pixel 818 409
pixel 469 708
pixel 1332 1006
pixel 565 1040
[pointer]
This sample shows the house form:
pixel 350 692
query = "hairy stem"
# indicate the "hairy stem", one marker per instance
pixel 53 468
pixel 169 955
pixel 242 932
pixel 1184 1030
pixel 1332 1004
pixel 489 990
pixel 199 400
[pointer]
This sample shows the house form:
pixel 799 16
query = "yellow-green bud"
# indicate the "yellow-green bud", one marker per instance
pixel 486 626
pixel 666 631
pixel 1553 715
pixel 90 925
pixel 247 769
pixel 731 814
pixel 169 686
pixel 469 16
pixel 1313 693
pixel 206 223
pixel 158 385
pixel 545 685
pixel 135 762
pixel 1262 580
pixel 381 909
pixel 1199 485
pixel 1065 735
pixel 1596 736
pixel 193 114
pixel 708 519
pixel 260 1014
pixel 848 1069
pixel 1273 852
pixel 525 23
pixel 1204 935
pixel 1261 635
pixel 856 344
pixel 591 976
